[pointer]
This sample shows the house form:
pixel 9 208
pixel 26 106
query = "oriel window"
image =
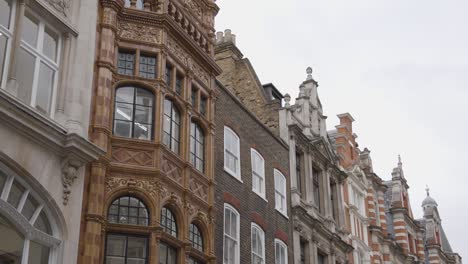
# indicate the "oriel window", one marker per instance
pixel 171 136
pixel 197 146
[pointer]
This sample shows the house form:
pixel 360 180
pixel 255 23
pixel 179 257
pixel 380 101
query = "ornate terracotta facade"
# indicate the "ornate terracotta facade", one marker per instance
pixel 171 47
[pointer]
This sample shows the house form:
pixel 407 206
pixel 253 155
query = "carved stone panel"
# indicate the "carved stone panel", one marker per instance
pixel 138 32
pixel 178 52
pixel 171 171
pixel 151 187
pixel 198 188
pixel 133 157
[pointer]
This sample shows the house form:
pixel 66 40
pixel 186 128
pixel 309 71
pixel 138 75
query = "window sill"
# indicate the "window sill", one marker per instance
pixel 282 213
pixel 259 195
pixel 232 174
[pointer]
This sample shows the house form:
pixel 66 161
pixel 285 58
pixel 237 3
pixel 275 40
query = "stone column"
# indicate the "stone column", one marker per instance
pixel 327 193
pixel 309 180
pixel 297 247
pixel 341 208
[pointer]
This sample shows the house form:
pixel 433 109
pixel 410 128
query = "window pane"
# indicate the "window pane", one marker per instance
pixel 44 89
pixel 143 114
pixel 127 3
pixel 12 251
pixel 147 67
pixel 3 179
pixel 50 44
pixel 25 65
pixel 124 111
pixel 16 192
pixel 144 97
pixel 139 4
pixel 30 30
pixel 125 95
pixel 136 248
pixel 38 254
pixel 42 223
pixel 125 63
pixel 29 207
pixel 3 47
pixel 142 131
pixel 116 245
pixel 5 12
pixel 123 128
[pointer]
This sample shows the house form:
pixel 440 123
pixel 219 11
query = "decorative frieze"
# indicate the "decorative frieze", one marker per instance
pixel 139 32
pixel 151 187
pixel 133 157
pixel 198 188
pixel 172 171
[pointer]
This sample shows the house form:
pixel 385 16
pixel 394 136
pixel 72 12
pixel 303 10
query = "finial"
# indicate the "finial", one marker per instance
pixel 309 73
pixel 287 100
pixel 399 161
pixel 427 190
pixel 301 90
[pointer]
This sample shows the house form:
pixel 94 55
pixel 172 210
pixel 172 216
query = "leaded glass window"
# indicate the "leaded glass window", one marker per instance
pixel 126 63
pixel 147 67
pixel 195 237
pixel 128 210
pixel 168 221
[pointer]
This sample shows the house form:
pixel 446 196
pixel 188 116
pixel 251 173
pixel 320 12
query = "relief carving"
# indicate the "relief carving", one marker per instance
pixel 151 187
pixel 172 171
pixel 61 6
pixel 178 52
pixel 133 157
pixel 194 8
pixel 199 189
pixel 139 32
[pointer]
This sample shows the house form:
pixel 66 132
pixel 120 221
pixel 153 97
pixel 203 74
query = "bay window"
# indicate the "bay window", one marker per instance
pixel 197 146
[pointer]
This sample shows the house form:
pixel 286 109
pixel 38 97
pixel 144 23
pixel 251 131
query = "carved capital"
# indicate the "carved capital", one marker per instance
pixel 70 167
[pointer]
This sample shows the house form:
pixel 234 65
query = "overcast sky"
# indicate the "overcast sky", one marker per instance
pixel 399 67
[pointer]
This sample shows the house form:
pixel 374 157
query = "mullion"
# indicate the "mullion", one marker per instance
pixel 133 119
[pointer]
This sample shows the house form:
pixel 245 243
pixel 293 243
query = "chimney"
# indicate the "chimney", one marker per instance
pixel 345 141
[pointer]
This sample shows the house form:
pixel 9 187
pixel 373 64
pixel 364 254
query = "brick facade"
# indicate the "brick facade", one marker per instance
pixel 252 208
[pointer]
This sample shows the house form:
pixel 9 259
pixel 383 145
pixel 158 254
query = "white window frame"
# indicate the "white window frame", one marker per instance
pixel 257 228
pixel 235 153
pixel 254 154
pixel 237 238
pixel 281 244
pixel 8 33
pixel 24 226
pixel 37 53
pixel 281 206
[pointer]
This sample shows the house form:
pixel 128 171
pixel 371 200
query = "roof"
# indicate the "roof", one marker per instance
pixel 444 241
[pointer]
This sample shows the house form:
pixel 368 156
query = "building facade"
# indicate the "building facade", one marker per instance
pixel 252 203
pixel 46 73
pixel 150 198
pixel 317 183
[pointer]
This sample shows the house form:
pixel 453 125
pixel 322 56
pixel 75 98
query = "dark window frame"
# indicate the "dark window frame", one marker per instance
pixel 141 205
pixel 168 221
pixel 148 56
pixel 172 123
pixel 126 245
pixel 126 52
pixel 196 237
pixel 197 140
pixel 134 106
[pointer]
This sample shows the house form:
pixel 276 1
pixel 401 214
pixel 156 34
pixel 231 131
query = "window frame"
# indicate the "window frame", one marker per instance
pixel 141 205
pixel 154 56
pixel 126 244
pixel 174 109
pixel 196 139
pixel 254 227
pixel 168 230
pixel 8 33
pixel 236 156
pixel 40 58
pixel 236 239
pixel 255 174
pixel 152 127
pixel 282 245
pixel 192 235
pixel 282 192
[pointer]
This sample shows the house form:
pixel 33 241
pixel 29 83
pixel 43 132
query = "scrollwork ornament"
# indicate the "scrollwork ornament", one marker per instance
pixel 70 169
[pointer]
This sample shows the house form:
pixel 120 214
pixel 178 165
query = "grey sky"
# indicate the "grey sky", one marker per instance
pixel 399 67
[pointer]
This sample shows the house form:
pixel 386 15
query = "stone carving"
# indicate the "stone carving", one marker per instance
pixel 172 171
pixel 150 187
pixel 69 174
pixel 178 52
pixel 139 32
pixel 199 189
pixel 194 8
pixel 133 157
pixel 60 5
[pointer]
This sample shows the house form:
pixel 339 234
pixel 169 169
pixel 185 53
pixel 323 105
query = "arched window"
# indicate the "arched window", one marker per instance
pixel 258 245
pixel 281 252
pixel 138 4
pixel 128 210
pixel 171 136
pixel 280 193
pixel 231 235
pixel 258 173
pixel 133 115
pixel 25 224
pixel 168 221
pixel 195 237
pixel 197 146
pixel 231 152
